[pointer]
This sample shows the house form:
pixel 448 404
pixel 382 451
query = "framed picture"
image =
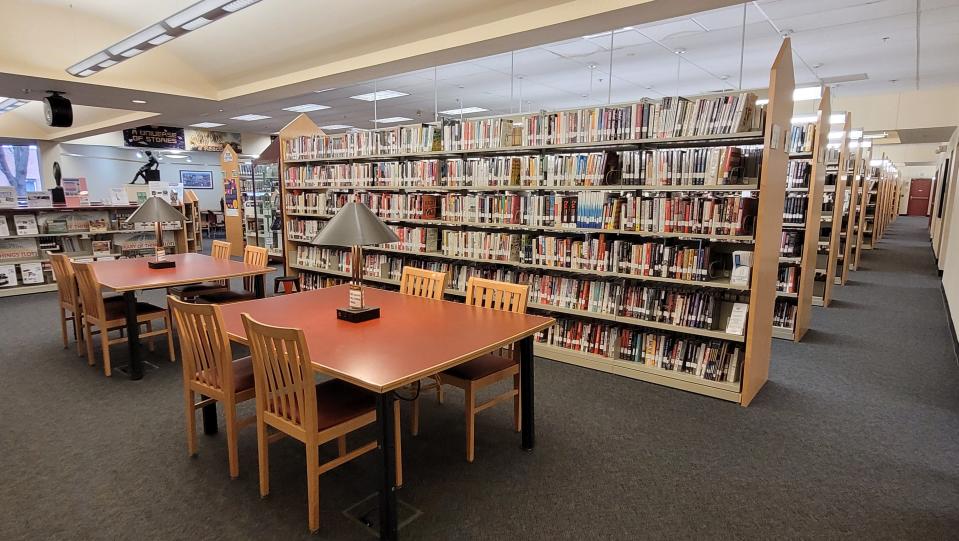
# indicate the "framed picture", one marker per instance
pixel 197 180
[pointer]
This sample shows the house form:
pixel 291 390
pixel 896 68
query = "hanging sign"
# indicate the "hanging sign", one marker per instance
pixel 154 137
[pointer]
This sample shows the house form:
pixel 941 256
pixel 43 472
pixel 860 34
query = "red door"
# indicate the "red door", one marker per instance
pixel 919 190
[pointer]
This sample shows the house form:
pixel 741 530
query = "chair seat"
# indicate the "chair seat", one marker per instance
pixel 337 402
pixel 226 297
pixel 481 367
pixel 117 310
pixel 242 374
pixel 192 290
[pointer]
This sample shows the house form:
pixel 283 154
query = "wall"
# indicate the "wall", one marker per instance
pixel 948 249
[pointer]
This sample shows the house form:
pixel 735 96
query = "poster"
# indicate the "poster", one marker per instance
pixel 8 275
pixel 32 273
pixel 197 180
pixel 8 197
pixel 154 137
pixel 212 141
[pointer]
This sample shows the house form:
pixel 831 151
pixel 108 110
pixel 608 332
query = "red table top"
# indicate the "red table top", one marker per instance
pixel 412 338
pixel 133 274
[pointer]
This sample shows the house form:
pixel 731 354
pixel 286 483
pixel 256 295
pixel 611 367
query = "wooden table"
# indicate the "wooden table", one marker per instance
pixel 412 338
pixel 129 275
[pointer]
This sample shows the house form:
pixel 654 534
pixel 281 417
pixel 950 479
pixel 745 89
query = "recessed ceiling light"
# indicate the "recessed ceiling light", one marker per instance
pixel 807 93
pixel 379 95
pixel 306 107
pixel 391 119
pixel 206 125
pixel 837 118
pixel 763 101
pixel 807 119
pixel 463 111
pixel 836 134
pixel 196 23
pixel 855 134
pixel 9 104
pixel 880 135
pixel 249 118
pixel 335 127
pixel 139 101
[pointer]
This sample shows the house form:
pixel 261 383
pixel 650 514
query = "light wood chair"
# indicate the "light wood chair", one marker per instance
pixel 429 285
pixel 252 255
pixel 492 367
pixel 219 250
pixel 71 306
pixel 210 370
pixel 109 316
pixel 289 400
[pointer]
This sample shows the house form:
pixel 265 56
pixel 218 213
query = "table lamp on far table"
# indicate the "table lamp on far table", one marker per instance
pixel 157 210
pixel 355 226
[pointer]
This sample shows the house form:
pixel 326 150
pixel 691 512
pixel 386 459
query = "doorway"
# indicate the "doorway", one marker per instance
pixel 919 190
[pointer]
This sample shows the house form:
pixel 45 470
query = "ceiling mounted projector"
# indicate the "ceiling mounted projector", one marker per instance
pixel 57 110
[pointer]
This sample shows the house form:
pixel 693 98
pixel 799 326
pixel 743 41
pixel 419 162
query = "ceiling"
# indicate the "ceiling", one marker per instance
pixel 275 54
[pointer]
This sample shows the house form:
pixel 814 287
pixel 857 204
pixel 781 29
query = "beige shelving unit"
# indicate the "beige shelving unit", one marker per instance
pixel 764 243
pixel 850 170
pixel 857 214
pixel 811 229
pixel 191 235
pixel 830 240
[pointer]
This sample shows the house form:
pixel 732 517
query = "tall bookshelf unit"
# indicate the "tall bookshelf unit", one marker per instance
pixel 873 200
pixel 857 213
pixel 801 226
pixel 850 170
pixel 834 194
pixel 262 202
pixel 602 330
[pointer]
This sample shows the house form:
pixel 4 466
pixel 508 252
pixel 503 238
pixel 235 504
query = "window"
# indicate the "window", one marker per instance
pixel 20 168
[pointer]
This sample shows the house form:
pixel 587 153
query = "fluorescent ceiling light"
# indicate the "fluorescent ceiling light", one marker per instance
pixel 379 95
pixel 141 102
pixel 807 93
pixel 836 134
pixel 249 118
pixel 875 135
pixel 807 119
pixel 866 144
pixel 854 144
pixel 855 134
pixel 463 111
pixel 391 119
pixel 833 145
pixel 324 90
pixel 206 125
pixel 335 127
pixel 875 163
pixel 306 107
pixel 837 118
pixel 601 34
pixel 9 104
pixel 763 101
pixel 193 17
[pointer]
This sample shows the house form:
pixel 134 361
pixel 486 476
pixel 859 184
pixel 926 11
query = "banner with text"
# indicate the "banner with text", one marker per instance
pixel 154 137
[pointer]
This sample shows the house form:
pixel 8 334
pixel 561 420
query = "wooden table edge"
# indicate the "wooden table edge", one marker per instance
pixel 264 270
pixel 396 384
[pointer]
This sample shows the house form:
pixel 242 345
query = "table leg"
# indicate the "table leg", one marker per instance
pixel 133 334
pixel 526 392
pixel 387 460
pixel 259 286
pixel 209 417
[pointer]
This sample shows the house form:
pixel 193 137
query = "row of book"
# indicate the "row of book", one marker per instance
pixel 688 308
pixel 784 314
pixel 696 166
pixel 299 229
pixel 794 208
pixel 787 280
pixel 802 137
pixel 664 118
pixel 713 360
pixel 798 173
pixel 791 244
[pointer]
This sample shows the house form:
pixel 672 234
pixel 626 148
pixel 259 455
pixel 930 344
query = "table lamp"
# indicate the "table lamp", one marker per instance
pixel 355 226
pixel 157 210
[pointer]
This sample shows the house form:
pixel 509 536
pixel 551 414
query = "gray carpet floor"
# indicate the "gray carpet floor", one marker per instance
pixel 856 435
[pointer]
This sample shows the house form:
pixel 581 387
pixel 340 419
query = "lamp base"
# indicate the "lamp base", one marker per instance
pixel 162 264
pixel 358 315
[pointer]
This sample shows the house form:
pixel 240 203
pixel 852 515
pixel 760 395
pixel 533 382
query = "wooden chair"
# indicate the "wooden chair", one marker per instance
pixel 108 316
pixel 492 367
pixel 429 285
pixel 219 250
pixel 71 307
pixel 252 255
pixel 210 370
pixel 289 400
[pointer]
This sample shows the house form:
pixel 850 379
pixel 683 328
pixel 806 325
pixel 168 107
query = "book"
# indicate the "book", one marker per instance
pixel 4 227
pixel 8 275
pixel 26 224
pixel 118 196
pixel 32 273
pixel 8 197
pixel 39 199
pixel 101 247
pixel 737 319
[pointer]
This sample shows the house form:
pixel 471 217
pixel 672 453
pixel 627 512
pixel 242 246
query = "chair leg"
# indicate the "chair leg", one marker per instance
pixel 105 345
pixel 88 338
pixel 415 417
pixel 517 419
pixel 78 332
pixel 470 421
pixel 151 345
pixel 167 321
pixel 440 396
pixel 341 445
pixel 398 443
pixel 313 485
pixel 231 443
pixel 263 456
pixel 63 328
pixel 189 398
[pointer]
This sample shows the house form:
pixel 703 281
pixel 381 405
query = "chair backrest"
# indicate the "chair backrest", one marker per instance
pixel 254 255
pixel 283 376
pixel 220 249
pixel 66 280
pixel 90 293
pixel 204 345
pixel 423 283
pixel 497 295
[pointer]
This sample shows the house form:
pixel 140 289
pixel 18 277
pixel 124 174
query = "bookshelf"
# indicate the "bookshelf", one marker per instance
pixel 858 210
pixel 801 225
pixel 262 202
pixel 232 200
pixel 192 234
pixel 28 235
pixel 850 170
pixel 834 196
pixel 505 198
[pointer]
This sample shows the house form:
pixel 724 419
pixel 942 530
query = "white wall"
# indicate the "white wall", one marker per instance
pixel 949 251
